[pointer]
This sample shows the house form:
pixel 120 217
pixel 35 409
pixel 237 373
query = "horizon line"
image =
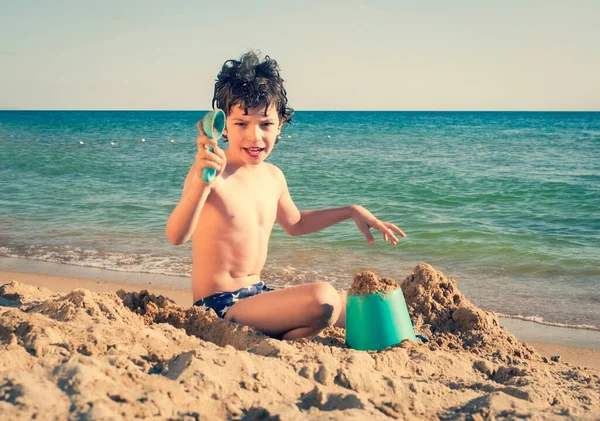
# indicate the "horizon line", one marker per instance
pixel 311 110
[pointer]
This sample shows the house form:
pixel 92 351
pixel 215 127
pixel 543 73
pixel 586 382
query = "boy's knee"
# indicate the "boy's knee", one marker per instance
pixel 327 304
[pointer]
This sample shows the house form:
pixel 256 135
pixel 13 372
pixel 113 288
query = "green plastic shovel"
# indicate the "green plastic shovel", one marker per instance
pixel 213 125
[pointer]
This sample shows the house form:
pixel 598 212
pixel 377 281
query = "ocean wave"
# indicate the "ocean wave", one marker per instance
pixel 540 320
pixel 103 259
pixel 276 273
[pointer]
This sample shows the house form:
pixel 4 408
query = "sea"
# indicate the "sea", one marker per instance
pixel 505 203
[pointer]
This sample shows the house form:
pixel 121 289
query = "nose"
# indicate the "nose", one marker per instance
pixel 254 134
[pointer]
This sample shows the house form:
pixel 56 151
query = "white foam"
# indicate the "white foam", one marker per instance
pixel 117 261
pixel 540 320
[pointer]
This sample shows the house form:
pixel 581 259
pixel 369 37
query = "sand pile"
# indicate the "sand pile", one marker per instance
pixel 201 324
pixel 106 356
pixel 370 283
pixel 443 314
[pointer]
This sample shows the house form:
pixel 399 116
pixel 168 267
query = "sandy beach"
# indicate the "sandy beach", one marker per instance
pixel 75 348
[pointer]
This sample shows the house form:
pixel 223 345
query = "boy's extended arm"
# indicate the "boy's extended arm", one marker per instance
pixel 314 220
pixel 183 219
pixel 295 222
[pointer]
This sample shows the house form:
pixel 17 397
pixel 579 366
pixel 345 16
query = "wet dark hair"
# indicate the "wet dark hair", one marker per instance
pixel 249 82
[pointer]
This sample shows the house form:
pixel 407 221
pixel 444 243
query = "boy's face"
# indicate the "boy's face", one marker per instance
pixel 251 136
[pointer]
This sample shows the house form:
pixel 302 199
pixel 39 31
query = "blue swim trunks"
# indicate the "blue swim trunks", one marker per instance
pixel 223 301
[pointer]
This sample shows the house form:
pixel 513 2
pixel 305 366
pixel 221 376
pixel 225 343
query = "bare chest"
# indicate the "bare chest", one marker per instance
pixel 245 204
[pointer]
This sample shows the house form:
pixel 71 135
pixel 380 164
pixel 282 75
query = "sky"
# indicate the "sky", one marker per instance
pixel 334 55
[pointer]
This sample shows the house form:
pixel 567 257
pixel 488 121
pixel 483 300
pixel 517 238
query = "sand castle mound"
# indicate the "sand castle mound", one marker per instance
pixel 133 355
pixel 370 283
pixel 443 314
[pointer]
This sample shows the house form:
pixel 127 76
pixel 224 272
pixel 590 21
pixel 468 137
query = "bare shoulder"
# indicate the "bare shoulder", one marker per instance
pixel 278 177
pixel 275 172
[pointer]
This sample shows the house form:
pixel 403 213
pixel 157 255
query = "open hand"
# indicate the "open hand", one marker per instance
pixel 207 159
pixel 365 221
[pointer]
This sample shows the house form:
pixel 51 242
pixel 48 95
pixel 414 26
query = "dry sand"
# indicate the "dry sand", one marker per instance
pixel 108 356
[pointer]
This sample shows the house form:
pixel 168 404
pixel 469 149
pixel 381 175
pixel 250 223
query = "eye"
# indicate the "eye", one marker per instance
pixel 267 123
pixel 240 123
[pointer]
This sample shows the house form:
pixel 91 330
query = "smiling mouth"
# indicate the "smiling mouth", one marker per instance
pixel 253 151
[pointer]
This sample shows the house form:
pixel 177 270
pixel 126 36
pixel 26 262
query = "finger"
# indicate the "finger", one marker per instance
pixel 385 237
pixel 204 155
pixel 208 164
pixel 365 230
pixel 395 228
pixel 221 153
pixel 204 142
pixel 200 128
pixel 387 232
pixel 391 236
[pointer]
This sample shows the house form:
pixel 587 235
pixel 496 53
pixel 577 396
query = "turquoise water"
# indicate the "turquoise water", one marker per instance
pixel 508 204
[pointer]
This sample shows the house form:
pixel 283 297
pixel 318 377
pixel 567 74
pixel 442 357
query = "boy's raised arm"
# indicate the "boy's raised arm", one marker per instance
pixel 183 219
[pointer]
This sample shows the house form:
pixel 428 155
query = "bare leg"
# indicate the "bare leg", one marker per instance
pixel 290 313
pixel 341 321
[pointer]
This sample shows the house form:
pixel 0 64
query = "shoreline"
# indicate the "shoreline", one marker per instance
pixel 577 347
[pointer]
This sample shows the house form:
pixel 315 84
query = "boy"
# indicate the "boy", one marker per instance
pixel 230 218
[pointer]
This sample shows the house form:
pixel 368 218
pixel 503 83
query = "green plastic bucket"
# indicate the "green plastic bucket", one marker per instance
pixel 376 321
